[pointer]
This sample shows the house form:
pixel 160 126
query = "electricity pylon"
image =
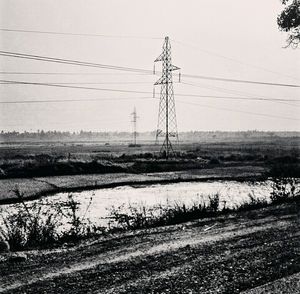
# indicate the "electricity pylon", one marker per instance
pixel 134 120
pixel 167 125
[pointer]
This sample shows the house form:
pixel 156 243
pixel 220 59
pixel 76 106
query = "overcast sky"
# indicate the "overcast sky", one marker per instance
pixel 230 39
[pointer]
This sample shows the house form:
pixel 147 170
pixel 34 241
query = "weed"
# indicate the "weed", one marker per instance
pixel 128 217
pixel 43 224
pixel 79 226
pixel 284 188
pixel 253 203
pixel 31 226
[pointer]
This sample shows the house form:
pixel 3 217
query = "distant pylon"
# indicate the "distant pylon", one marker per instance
pixel 167 125
pixel 134 121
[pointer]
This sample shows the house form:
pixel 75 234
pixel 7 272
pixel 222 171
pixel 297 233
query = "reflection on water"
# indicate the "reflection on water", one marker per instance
pixel 231 193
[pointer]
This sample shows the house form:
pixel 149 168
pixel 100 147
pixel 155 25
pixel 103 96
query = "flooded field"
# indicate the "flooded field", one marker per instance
pixel 96 205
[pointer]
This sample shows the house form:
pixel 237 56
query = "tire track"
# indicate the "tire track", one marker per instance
pixel 143 249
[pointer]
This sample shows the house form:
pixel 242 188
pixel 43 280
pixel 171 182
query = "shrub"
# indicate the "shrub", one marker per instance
pixel 128 217
pixel 44 224
pixel 214 202
pixel 31 226
pixel 79 226
pixel 283 188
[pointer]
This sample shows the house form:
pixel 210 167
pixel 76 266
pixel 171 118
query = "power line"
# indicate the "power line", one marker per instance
pixel 239 81
pixel 238 98
pixel 232 59
pixel 74 87
pixel 70 100
pixel 139 70
pixel 239 111
pixel 120 99
pixel 180 101
pixel 249 96
pixel 263 98
pixel 72 62
pixel 70 73
pixel 141 92
pixel 92 83
pixel 80 34
pixel 146 38
pixel 219 89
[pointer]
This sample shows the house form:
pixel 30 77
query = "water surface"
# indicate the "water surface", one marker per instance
pixel 231 194
pixel 96 205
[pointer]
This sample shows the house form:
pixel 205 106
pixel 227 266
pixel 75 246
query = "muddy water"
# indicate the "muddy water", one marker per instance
pixel 96 205
pixel 231 193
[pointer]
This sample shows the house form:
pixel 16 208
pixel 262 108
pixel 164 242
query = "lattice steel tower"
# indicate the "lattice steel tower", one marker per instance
pixel 167 125
pixel 134 129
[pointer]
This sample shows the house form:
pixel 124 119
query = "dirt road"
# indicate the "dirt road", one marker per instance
pixel 230 254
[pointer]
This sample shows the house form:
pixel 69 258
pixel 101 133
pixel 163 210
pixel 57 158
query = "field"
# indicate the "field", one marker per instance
pixel 272 146
pixel 38 168
pixel 29 159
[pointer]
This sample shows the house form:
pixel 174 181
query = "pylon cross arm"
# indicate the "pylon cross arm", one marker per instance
pixel 161 81
pixel 174 67
pixel 159 58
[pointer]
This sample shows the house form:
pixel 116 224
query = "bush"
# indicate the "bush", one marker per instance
pixel 214 202
pixel 45 224
pixel 284 188
pixel 128 217
pixel 285 180
pixel 31 226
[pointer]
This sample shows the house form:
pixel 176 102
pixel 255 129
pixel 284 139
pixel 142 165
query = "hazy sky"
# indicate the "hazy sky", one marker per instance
pixel 229 38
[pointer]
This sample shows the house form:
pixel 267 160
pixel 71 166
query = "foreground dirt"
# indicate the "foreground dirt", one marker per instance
pixel 251 252
pixel 35 187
